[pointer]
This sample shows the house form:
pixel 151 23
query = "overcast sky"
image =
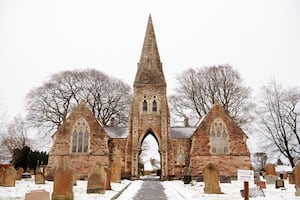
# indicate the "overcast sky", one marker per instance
pixel 260 39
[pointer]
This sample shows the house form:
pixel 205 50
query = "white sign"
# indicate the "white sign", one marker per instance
pixel 245 175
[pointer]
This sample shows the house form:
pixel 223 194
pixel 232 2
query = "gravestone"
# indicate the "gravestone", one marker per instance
pixel 96 179
pixel 116 167
pixel 108 175
pixel 39 178
pixel 279 184
pixel 225 179
pixel 254 192
pixel 270 169
pixel 211 179
pixel 296 171
pixel 2 170
pixel 9 177
pixel 63 181
pixel 291 178
pixel 20 171
pixel 270 174
pixel 256 176
pixel 37 195
pixel 261 184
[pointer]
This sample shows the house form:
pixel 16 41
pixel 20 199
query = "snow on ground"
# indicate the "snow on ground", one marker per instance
pixel 174 190
pixel 178 190
pixel 26 185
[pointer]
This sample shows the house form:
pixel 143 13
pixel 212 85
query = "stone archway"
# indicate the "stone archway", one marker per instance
pixel 149 154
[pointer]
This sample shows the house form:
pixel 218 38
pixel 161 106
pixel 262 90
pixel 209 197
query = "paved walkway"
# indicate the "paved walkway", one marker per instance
pixel 150 189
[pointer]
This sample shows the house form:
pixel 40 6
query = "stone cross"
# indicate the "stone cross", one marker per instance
pixel 63 181
pixel 296 171
pixel 96 179
pixel 211 179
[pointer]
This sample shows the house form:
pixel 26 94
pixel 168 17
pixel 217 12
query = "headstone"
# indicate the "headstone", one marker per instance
pixel 211 179
pixel 225 179
pixel 296 171
pixel 96 179
pixel 256 176
pixel 2 171
pixel 270 174
pixel 261 184
pixel 279 184
pixel 39 178
pixel 200 179
pixel 291 178
pixel 270 169
pixel 9 177
pixel 37 195
pixel 63 181
pixel 20 171
pixel 116 167
pixel 271 179
pixel 187 179
pixel 108 175
pixel 254 192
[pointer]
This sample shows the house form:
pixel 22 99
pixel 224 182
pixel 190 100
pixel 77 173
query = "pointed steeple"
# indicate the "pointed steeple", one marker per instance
pixel 149 67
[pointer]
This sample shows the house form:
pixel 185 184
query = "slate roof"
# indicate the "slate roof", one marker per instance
pixel 176 132
pixel 182 132
pixel 117 132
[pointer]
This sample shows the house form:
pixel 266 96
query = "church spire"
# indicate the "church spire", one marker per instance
pixel 149 67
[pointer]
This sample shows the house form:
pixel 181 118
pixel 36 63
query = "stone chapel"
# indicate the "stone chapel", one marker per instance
pixel 83 140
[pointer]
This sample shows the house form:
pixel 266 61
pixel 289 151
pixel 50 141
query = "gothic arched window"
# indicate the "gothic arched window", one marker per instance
pixel 154 106
pixel 144 105
pixel 218 137
pixel 80 136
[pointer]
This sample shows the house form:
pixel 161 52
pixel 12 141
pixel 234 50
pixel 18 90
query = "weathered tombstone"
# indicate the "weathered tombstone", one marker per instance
pixel 9 177
pixel 270 169
pixel 116 167
pixel 211 179
pixel 291 178
pixel 37 195
pixel 256 176
pixel 187 178
pixel 254 192
pixel 225 179
pixel 270 173
pixel 20 171
pixel 261 184
pixel 296 171
pixel 279 183
pixel 96 179
pixel 2 171
pixel 63 182
pixel 108 175
pixel 39 178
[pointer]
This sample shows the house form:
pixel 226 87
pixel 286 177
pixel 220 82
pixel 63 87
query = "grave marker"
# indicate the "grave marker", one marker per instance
pixel 211 179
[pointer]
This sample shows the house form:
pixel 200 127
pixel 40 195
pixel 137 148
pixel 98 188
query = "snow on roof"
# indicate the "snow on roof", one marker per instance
pixel 116 132
pixel 182 132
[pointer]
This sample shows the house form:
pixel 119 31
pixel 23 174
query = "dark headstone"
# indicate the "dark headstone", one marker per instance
pixel 187 179
pixel 200 179
pixel 279 183
pixel 225 179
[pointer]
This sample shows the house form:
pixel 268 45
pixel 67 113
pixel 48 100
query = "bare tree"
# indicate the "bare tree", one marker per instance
pixel 260 160
pixel 200 88
pixel 16 136
pixel 278 113
pixel 49 104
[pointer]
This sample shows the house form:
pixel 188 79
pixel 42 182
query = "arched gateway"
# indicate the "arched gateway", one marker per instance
pixel 149 110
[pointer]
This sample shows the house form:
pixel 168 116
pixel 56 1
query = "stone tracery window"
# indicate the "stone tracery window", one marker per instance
pixel 80 136
pixel 218 137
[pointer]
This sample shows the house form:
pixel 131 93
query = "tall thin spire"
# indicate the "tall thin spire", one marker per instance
pixel 149 67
